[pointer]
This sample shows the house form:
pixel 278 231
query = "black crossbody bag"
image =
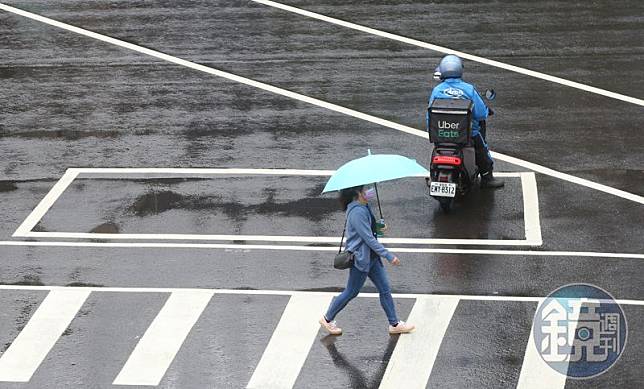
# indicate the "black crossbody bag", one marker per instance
pixel 344 259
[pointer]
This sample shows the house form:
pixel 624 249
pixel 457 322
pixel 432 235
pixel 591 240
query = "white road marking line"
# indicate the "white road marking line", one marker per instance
pixel 275 238
pixel 413 358
pixel 208 171
pixel 289 346
pixel 157 348
pixel 535 372
pixel 568 177
pixel 227 171
pixel 445 50
pixel 286 293
pixel 47 324
pixel 24 230
pixel 56 191
pixel 314 101
pixel 244 247
pixel 213 71
pixel 32 219
pixel 531 208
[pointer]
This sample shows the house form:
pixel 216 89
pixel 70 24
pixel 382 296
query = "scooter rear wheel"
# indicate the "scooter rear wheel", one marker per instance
pixel 446 203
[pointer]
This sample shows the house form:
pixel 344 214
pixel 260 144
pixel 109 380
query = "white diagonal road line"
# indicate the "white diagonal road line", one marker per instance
pixel 157 348
pixel 313 101
pixel 413 358
pixel 445 50
pixel 47 324
pixel 289 346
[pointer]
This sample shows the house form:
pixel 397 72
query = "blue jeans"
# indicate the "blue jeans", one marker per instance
pixel 378 275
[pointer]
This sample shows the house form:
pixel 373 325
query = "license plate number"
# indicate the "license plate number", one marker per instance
pixel 443 189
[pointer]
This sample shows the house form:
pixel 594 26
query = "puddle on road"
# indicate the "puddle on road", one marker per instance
pixel 85 285
pixel 7 186
pixel 155 202
pixel 106 228
pixel 30 280
pixel 61 134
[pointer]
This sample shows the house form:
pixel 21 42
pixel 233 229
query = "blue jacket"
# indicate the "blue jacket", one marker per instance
pixel 456 88
pixel 360 238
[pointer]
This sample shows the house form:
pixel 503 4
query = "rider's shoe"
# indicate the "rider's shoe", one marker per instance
pixel 488 181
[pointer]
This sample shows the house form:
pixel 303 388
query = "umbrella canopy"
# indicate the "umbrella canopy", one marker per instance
pixel 373 169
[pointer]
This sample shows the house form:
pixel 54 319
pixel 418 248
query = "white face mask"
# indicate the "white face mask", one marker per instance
pixel 369 194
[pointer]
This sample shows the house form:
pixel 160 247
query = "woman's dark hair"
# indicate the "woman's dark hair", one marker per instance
pixel 348 195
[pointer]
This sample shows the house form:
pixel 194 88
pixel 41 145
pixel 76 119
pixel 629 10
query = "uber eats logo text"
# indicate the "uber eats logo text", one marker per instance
pixel 448 130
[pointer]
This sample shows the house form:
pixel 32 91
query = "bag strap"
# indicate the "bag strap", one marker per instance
pixel 344 230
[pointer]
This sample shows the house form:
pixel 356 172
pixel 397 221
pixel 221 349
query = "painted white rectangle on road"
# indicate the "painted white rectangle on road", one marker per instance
pixel 157 348
pixel 530 201
pixel 413 358
pixel 535 372
pixel 34 342
pixel 291 342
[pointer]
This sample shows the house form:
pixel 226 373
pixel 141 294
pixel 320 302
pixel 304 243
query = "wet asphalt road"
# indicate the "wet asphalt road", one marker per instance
pixel 70 101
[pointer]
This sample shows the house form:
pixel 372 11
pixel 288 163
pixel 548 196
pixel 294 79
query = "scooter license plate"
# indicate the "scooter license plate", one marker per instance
pixel 442 189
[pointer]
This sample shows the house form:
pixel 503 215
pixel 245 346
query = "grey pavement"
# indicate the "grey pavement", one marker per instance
pixel 70 101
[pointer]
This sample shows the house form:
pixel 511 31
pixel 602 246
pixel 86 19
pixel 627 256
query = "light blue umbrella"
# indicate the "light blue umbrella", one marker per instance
pixel 373 169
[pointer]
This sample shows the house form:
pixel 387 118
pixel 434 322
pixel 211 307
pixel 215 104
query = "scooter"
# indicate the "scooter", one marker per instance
pixel 453 170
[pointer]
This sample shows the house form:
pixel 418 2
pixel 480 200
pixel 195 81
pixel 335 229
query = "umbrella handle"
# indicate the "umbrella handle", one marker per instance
pixel 375 185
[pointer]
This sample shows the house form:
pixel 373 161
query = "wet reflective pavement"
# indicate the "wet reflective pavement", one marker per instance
pixel 71 101
pixel 277 205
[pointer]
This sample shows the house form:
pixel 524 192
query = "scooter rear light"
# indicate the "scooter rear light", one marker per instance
pixel 446 160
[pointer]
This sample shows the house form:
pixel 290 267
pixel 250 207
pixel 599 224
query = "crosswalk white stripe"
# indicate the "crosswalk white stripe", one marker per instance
pixel 531 208
pixel 157 348
pixel 413 358
pixel 535 372
pixel 31 346
pixel 290 344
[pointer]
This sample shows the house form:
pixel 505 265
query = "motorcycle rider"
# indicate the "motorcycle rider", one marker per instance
pixel 452 86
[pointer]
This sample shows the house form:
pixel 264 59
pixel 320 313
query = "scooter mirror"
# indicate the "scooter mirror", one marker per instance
pixel 437 76
pixel 490 94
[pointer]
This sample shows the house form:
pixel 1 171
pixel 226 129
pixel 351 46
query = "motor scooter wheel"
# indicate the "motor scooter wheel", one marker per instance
pixel 446 203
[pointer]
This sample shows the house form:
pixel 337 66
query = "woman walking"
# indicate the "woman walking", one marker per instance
pixel 362 242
